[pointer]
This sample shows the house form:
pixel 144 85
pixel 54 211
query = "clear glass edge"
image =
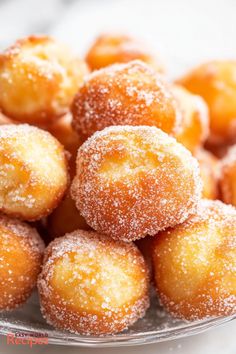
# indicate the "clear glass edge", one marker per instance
pixel 65 338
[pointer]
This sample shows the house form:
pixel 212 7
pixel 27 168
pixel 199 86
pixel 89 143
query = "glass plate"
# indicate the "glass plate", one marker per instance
pixel 156 326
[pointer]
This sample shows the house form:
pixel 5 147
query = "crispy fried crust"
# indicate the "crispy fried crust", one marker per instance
pixel 125 94
pixel 33 172
pixel 135 181
pixel 194 264
pixel 91 284
pixel 38 79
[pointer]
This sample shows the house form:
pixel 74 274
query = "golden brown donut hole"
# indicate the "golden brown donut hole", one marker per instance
pixel 91 284
pixel 194 264
pixel 135 181
pixel 215 81
pixel 125 94
pixel 110 49
pixel 38 79
pixel 33 171
pixel 195 123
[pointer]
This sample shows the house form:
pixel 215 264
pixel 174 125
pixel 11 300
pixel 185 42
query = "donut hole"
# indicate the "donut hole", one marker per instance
pixel 91 284
pixel 125 94
pixel 133 181
pixel 33 172
pixel 36 65
pixel 194 263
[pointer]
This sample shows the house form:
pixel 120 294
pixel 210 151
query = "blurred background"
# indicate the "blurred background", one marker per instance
pixel 183 32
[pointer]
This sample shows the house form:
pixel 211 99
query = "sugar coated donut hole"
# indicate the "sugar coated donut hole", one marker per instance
pixel 228 177
pixel 215 81
pixel 209 171
pixel 125 94
pixel 91 284
pixel 194 264
pixel 117 48
pixel 195 124
pixel 33 171
pixel 135 181
pixel 65 218
pixel 38 79
pixel 21 254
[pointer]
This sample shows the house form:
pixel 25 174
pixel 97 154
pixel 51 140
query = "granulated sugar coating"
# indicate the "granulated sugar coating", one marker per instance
pixel 134 181
pixel 195 263
pixel 125 94
pixel 228 177
pixel 33 171
pixel 38 79
pixel 91 284
pixel 21 254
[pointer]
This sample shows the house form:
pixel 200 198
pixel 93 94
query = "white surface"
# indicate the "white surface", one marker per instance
pixel 184 32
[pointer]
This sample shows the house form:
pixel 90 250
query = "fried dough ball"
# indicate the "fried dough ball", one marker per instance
pixel 125 94
pixel 65 218
pixel 21 254
pixel 117 48
pixel 195 125
pixel 228 177
pixel 33 171
pixel 215 81
pixel 38 79
pixel 91 284
pixel 209 171
pixel 134 181
pixel 194 264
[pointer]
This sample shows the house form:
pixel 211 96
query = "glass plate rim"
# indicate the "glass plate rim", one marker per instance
pixel 155 336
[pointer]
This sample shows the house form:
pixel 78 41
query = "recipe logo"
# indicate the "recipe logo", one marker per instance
pixel 23 338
